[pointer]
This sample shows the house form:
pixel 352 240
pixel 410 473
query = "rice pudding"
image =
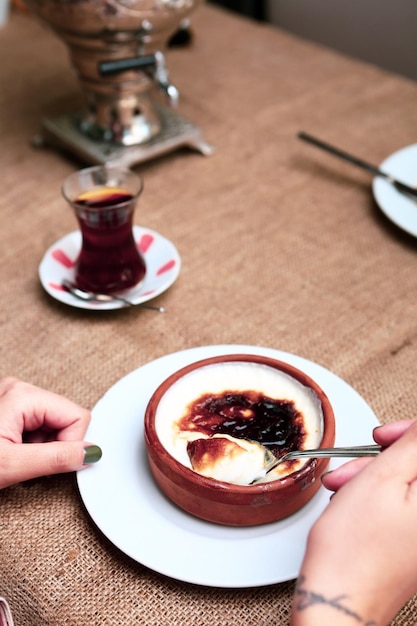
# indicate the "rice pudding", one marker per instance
pixel 218 419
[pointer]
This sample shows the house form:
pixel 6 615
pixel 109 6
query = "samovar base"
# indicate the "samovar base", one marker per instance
pixel 63 132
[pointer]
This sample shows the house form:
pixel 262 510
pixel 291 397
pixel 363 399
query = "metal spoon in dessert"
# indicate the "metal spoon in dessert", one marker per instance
pixel 272 461
pixel 90 296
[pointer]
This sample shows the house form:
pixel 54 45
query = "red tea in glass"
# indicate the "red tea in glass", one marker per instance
pixel 104 201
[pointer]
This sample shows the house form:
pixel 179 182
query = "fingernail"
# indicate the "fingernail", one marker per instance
pixel 326 474
pixel 92 454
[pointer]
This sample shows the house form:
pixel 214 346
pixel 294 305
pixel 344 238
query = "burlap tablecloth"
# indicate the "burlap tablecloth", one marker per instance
pixel 282 246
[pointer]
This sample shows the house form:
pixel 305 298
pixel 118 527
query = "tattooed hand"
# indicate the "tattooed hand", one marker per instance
pixel 360 565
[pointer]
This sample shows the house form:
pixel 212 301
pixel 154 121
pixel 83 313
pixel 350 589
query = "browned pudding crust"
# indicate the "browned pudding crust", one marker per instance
pixel 248 415
pixel 204 453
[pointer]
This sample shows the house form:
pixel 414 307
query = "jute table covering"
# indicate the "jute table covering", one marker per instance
pixel 282 246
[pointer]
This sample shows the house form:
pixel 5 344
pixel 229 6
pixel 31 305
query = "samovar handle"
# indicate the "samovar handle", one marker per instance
pixel 154 63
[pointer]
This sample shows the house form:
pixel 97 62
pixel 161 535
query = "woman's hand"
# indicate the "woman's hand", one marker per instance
pixel 384 435
pixel 41 433
pixel 360 566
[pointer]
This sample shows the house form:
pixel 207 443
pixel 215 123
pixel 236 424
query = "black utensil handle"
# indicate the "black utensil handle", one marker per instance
pixel 107 68
pixel 355 161
pixel 341 154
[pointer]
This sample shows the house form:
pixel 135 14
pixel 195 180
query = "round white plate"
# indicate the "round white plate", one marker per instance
pixel 163 265
pixel 127 506
pixel 398 207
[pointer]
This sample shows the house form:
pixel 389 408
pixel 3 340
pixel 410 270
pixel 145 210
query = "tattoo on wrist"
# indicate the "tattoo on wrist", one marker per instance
pixel 304 599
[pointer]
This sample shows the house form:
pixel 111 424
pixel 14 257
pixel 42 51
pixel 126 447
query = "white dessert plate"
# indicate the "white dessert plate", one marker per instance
pixel 163 265
pixel 398 207
pixel 126 505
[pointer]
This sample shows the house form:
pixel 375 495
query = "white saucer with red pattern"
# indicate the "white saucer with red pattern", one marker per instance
pixel 163 265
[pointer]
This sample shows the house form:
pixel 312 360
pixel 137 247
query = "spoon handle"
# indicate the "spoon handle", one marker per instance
pixel 89 296
pixel 141 305
pixel 358 162
pixel 353 451
pixel 348 452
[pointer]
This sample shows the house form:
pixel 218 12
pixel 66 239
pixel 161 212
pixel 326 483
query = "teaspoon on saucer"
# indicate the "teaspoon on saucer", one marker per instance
pixel 349 452
pixel 90 296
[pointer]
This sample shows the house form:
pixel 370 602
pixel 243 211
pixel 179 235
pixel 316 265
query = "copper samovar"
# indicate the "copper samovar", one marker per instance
pixel 117 49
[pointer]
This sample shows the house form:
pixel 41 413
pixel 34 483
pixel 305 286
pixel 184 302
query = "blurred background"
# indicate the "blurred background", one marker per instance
pixel 381 32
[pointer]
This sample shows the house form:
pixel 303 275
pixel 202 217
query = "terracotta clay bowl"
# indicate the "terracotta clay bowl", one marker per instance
pixel 223 502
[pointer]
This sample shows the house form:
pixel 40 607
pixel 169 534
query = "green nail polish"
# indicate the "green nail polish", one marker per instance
pixel 92 454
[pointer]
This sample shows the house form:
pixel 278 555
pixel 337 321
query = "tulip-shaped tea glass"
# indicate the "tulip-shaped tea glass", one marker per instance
pixel 104 200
